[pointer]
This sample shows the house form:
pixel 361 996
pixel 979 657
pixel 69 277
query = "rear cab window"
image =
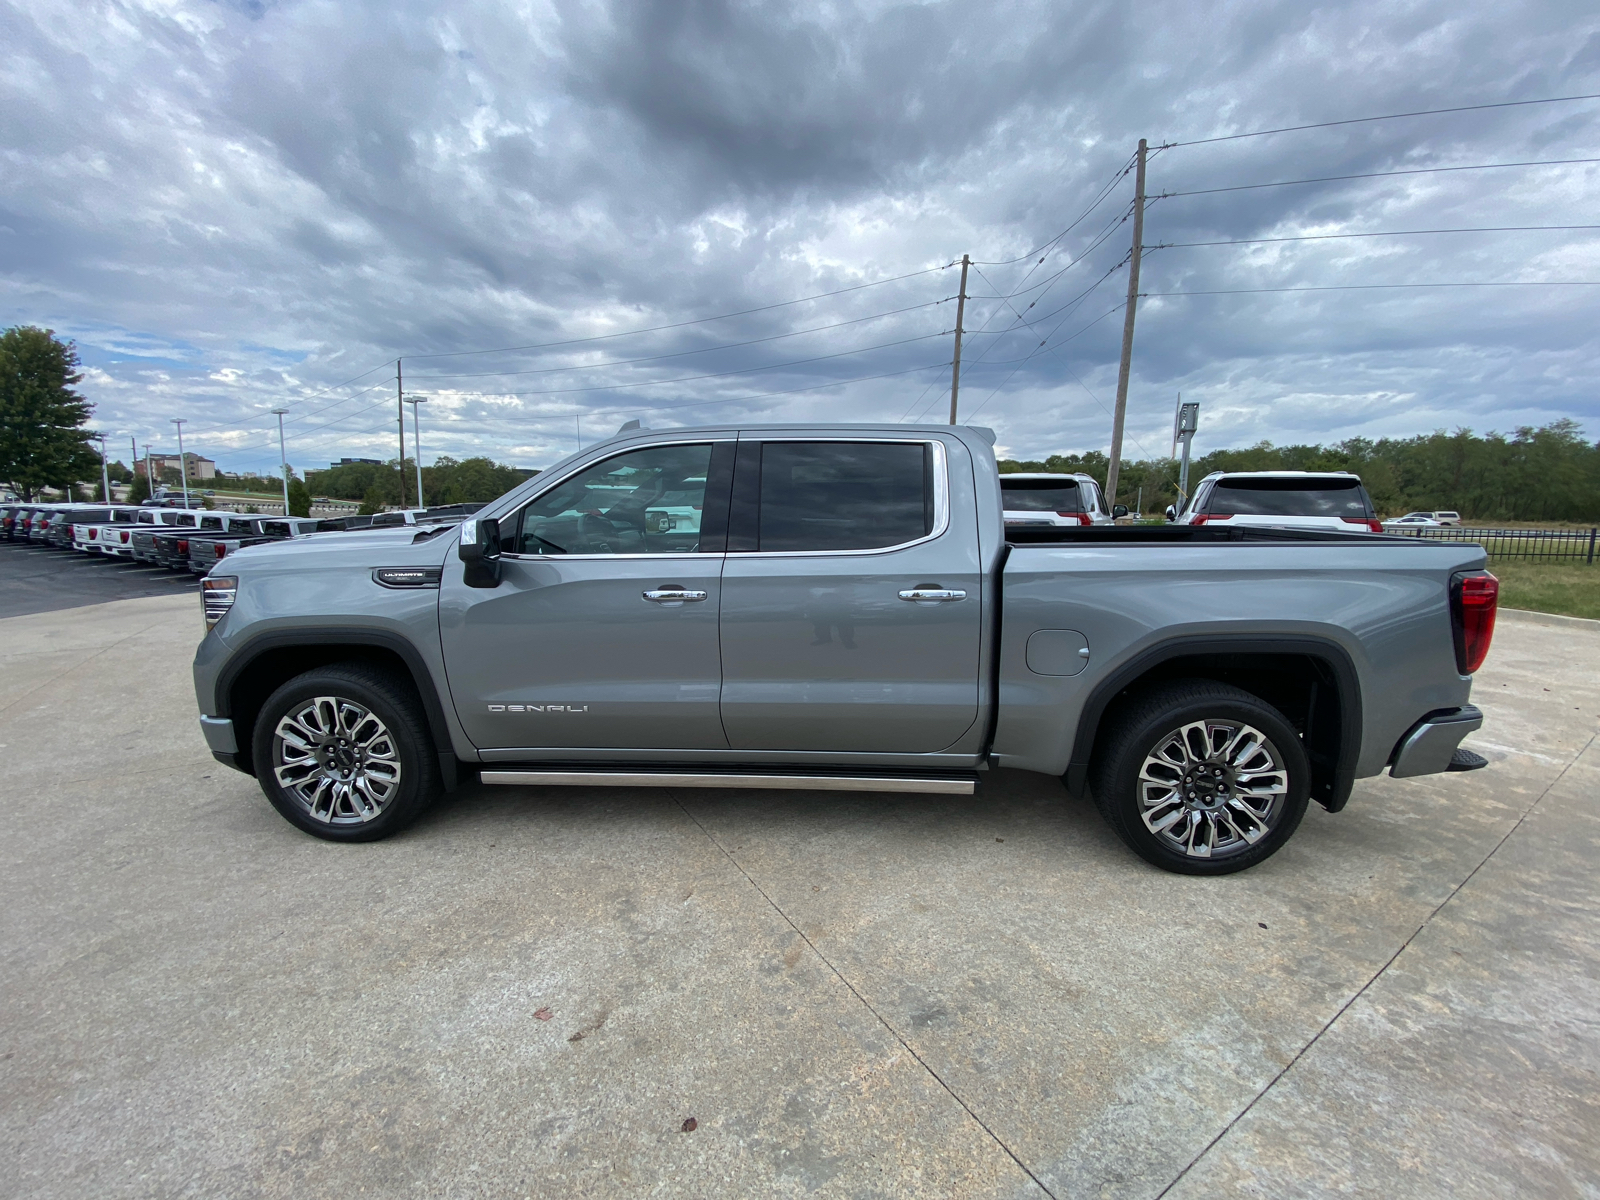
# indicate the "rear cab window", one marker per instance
pixel 1043 495
pixel 1277 497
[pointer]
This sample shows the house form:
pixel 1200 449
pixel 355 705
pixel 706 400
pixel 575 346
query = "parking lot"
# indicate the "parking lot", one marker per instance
pixel 37 579
pixel 617 993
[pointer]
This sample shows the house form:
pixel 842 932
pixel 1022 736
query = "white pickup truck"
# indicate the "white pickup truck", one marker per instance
pixel 88 527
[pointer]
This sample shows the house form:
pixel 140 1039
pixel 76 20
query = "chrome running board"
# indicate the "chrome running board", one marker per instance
pixel 947 786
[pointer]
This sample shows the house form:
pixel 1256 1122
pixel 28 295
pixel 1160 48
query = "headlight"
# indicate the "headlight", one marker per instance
pixel 217 593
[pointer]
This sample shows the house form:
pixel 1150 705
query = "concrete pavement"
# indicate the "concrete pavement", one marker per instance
pixel 531 991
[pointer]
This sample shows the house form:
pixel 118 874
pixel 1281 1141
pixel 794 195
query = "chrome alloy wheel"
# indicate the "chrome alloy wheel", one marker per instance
pixel 1209 789
pixel 337 760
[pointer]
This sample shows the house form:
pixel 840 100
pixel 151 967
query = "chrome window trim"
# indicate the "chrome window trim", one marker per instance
pixel 941 499
pixel 688 555
pixel 941 503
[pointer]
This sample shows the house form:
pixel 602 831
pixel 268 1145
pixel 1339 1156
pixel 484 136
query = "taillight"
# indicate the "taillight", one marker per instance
pixel 1080 518
pixel 124 537
pixel 220 549
pixel 183 545
pixel 1474 598
pixel 1372 523
pixel 1204 517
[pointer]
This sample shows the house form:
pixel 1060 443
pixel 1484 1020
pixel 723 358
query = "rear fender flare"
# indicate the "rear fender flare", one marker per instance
pixel 1331 792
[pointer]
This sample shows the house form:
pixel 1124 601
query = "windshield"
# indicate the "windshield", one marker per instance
pixel 1041 495
pixel 1268 497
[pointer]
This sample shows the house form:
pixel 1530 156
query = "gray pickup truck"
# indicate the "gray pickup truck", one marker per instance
pixel 839 607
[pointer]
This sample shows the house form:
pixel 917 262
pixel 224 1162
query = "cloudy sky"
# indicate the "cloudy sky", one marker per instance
pixel 564 215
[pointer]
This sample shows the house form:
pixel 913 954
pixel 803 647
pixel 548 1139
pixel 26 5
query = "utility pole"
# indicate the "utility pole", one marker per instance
pixel 149 478
pixel 283 459
pixel 105 474
pixel 416 438
pixel 1121 412
pixel 400 411
pixel 183 463
pixel 133 462
pixel 961 312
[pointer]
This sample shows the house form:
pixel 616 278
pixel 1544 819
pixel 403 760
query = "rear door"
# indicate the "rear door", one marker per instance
pixel 851 609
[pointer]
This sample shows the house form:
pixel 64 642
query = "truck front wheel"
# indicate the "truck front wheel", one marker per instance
pixel 343 753
pixel 1201 778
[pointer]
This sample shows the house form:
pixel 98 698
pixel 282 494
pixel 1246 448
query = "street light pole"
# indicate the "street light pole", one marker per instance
pixel 105 474
pixel 283 459
pixel 416 440
pixel 183 465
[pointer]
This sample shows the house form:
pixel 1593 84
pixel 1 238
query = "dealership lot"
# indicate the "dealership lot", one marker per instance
pixel 531 992
pixel 36 579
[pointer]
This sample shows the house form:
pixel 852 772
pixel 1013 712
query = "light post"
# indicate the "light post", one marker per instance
pixel 183 463
pixel 283 459
pixel 105 474
pixel 416 438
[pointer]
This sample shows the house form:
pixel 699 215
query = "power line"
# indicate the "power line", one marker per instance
pixel 725 400
pixel 1427 112
pixel 1362 287
pixel 1245 187
pixel 623 362
pixel 1120 174
pixel 1317 237
pixel 682 324
pixel 611 387
pixel 1095 243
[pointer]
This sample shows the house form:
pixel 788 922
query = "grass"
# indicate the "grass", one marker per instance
pixel 1571 589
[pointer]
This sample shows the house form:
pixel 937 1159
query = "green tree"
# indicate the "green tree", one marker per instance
pixel 139 489
pixel 299 499
pixel 43 439
pixel 372 502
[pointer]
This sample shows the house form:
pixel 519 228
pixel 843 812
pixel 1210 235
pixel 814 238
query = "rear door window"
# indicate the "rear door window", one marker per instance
pixel 1288 498
pixel 1042 495
pixel 844 495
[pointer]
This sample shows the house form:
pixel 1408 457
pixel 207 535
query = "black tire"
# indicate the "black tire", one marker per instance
pixel 369 806
pixel 1219 831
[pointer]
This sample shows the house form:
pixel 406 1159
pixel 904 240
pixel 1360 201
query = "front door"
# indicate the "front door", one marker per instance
pixel 603 630
pixel 851 612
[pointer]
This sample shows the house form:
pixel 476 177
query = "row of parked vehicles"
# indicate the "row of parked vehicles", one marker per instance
pixel 183 539
pixel 1334 500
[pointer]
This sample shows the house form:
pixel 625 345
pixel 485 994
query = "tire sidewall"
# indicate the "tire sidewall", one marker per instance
pixel 384 698
pixel 1120 776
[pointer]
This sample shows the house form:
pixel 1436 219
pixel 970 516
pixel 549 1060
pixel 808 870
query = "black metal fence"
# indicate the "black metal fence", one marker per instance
pixel 1534 545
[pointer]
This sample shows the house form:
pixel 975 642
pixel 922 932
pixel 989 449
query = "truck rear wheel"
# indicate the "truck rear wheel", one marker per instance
pixel 1201 778
pixel 343 752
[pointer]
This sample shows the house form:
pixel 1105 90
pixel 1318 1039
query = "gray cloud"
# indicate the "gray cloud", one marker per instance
pixel 236 206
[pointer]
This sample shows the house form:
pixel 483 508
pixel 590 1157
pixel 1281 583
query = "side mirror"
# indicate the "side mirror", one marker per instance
pixel 1172 512
pixel 1119 510
pixel 480 550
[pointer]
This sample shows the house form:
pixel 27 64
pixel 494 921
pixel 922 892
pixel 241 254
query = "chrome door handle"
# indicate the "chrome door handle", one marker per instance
pixel 932 595
pixel 673 595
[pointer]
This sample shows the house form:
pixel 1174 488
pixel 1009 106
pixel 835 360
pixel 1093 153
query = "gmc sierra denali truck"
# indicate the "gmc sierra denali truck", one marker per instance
pixel 839 607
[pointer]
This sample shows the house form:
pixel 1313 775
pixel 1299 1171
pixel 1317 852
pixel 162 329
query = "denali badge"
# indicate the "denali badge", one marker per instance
pixel 570 708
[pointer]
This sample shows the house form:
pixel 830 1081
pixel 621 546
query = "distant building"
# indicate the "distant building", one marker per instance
pixel 350 462
pixel 196 467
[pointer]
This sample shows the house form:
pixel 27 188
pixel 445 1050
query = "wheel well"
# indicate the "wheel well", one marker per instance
pixel 1306 688
pixel 271 669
